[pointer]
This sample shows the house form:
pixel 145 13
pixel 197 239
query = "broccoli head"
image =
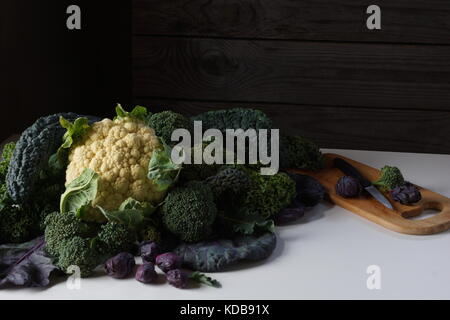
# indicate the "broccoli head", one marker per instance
pixel 390 178
pixel 300 153
pixel 189 211
pixel 115 238
pixel 72 241
pixel 164 123
pixel 60 227
pixel 79 252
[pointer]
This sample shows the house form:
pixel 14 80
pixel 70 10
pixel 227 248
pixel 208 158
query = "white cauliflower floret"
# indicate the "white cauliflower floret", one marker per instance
pixel 119 152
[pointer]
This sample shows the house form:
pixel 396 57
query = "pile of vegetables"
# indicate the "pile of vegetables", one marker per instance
pixel 88 192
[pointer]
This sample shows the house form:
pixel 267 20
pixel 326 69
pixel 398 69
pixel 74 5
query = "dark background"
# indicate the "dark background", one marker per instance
pixel 46 68
pixel 312 65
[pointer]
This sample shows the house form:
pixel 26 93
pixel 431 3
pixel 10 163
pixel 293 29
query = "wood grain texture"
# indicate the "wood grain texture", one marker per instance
pixel 371 209
pixel 312 73
pixel 341 127
pixel 405 21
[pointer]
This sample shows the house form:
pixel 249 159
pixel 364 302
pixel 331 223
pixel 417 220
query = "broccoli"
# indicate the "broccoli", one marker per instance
pixel 300 153
pixel 390 178
pixel 17 224
pixel 115 238
pixel 150 233
pixel 189 211
pixel 72 241
pixel 79 252
pixel 164 123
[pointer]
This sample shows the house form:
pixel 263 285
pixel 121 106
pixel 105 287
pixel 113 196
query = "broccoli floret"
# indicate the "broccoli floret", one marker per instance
pixel 164 123
pixel 390 178
pixel 78 252
pixel 72 241
pixel 150 233
pixel 60 227
pixel 115 238
pixel 189 211
pixel 300 153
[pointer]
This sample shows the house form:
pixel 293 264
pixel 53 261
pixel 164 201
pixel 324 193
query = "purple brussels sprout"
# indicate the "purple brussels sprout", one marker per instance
pixel 348 187
pixel 149 250
pixel 146 273
pixel 291 214
pixel 168 261
pixel 120 266
pixel 407 194
pixel 177 278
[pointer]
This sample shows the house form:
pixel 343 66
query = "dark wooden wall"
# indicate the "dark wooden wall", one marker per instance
pixel 46 68
pixel 311 64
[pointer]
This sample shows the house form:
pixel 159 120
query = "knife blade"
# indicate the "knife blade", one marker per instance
pixel 349 170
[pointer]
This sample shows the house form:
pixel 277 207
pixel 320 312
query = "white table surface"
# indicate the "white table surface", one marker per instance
pixel 324 256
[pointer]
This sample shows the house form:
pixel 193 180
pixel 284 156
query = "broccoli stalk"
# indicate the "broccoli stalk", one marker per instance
pixel 390 178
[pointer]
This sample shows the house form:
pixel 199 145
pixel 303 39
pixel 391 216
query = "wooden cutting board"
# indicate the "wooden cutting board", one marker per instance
pixel 369 208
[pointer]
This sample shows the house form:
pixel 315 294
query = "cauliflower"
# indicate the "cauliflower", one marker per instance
pixel 119 151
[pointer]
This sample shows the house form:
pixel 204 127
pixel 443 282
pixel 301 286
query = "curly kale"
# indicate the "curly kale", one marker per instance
pixel 7 153
pixel 237 118
pixel 189 211
pixel 300 153
pixel 254 209
pixel 229 180
pixel 390 178
pixel 164 123
pixel 72 241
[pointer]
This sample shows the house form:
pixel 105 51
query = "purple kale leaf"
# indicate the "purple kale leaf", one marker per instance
pixel 25 264
pixel 214 256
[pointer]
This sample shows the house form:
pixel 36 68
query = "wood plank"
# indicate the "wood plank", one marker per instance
pixel 406 21
pixel 311 73
pixel 339 127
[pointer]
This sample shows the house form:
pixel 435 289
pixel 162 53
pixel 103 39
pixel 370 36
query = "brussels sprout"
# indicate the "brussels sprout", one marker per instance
pixel 348 187
pixel 146 273
pixel 168 261
pixel 177 278
pixel 120 266
pixel 406 194
pixel 148 250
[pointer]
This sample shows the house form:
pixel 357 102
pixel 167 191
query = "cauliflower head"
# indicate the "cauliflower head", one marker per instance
pixel 119 151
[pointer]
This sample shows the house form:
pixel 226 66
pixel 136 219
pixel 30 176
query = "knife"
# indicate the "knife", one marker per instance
pixel 349 170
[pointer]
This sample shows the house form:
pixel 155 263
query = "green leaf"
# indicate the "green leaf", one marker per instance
pixel 204 279
pixel 162 170
pixel 146 208
pixel 248 224
pixel 80 192
pixel 132 218
pixel 75 132
pixel 138 112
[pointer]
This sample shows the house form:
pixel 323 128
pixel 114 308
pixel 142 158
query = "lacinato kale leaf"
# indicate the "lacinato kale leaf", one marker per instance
pixel 213 256
pixel 25 264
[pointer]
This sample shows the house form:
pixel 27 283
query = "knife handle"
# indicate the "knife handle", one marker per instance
pixel 349 170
